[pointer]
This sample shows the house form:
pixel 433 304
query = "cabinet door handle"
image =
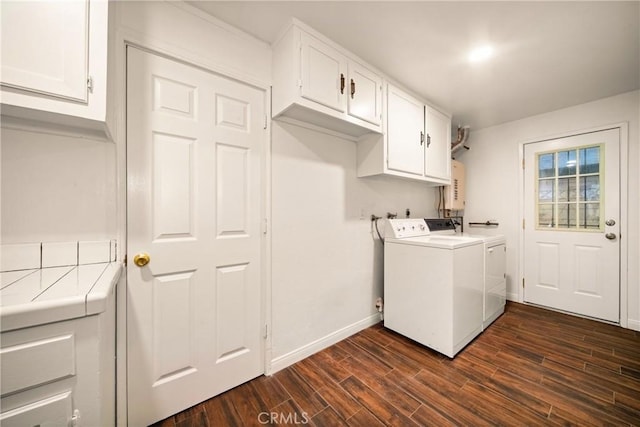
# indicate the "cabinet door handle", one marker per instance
pixel 341 83
pixel 421 137
pixel 353 88
pixel 428 140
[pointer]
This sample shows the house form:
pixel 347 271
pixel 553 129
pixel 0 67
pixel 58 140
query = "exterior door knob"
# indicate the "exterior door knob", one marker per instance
pixel 610 236
pixel 610 222
pixel 141 259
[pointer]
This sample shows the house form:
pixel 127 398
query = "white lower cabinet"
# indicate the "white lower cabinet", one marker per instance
pixel 416 143
pixel 61 373
pixel 56 410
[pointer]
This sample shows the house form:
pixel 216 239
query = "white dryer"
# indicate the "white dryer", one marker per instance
pixel 495 278
pixel 433 286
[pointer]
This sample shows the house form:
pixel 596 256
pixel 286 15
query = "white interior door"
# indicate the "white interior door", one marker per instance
pixel 195 143
pixel 572 230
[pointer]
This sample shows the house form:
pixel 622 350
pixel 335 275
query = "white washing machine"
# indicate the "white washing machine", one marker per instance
pixel 433 286
pixel 495 277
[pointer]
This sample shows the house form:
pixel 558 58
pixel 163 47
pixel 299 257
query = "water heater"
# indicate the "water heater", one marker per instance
pixel 454 193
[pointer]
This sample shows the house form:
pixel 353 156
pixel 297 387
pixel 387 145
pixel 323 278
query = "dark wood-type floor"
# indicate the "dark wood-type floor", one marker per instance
pixel 531 367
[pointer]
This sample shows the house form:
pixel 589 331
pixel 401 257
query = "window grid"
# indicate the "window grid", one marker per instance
pixel 569 189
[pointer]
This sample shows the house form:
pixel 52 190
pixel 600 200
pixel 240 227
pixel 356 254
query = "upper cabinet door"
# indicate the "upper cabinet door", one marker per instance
pixel 364 99
pixel 437 151
pixel 405 132
pixel 324 74
pixel 45 47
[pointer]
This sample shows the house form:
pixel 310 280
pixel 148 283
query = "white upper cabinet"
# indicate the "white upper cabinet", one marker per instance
pixel 317 82
pixel 415 145
pixel 54 62
pixel 437 153
pixel 365 94
pixel 323 73
pixel 55 65
pixel 405 132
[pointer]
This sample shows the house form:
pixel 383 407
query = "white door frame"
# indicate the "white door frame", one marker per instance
pixel 123 39
pixel 624 209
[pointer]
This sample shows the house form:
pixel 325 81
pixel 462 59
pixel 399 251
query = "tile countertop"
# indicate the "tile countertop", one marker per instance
pixel 38 296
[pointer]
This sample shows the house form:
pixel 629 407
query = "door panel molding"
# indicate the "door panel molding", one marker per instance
pixel 177 303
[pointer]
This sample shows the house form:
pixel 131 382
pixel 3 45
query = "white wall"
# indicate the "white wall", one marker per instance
pixel 56 188
pixel 327 269
pixel 493 167
pixel 327 259
pixel 187 33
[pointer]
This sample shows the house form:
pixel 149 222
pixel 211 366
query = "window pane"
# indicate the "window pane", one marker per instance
pixel 566 189
pixel 546 190
pixel 546 165
pixel 590 188
pixel 567 215
pixel 590 160
pixel 566 163
pixel 545 216
pixel 590 215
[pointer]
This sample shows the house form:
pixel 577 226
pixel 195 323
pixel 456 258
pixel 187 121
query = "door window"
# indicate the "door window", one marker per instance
pixel 568 187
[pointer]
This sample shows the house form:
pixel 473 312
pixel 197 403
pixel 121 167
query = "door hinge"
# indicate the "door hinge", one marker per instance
pixel 75 418
pixel 523 282
pixel 90 84
pixel 522 163
pixel 265 121
pixel 125 260
pixel 266 331
pixel 522 226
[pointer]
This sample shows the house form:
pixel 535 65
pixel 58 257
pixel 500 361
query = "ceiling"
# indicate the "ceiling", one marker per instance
pixel 547 55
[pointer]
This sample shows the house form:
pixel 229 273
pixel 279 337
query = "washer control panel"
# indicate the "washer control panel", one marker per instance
pixel 408 227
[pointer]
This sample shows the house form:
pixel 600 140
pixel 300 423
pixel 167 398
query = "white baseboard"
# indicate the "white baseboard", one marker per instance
pixel 512 296
pixel 307 350
pixel 633 324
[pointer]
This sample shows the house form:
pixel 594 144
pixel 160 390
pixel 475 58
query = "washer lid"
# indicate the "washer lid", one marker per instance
pixel 438 241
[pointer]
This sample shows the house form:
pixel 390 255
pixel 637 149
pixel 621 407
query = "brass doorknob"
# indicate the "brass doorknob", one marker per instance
pixel 141 259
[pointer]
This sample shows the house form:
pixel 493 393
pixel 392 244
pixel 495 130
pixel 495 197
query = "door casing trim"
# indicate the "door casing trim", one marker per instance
pixel 123 39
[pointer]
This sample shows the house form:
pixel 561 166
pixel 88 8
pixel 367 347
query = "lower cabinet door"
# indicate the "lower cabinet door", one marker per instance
pixel 56 410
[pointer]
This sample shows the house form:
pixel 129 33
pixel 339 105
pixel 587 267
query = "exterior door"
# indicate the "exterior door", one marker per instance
pixel 572 230
pixel 405 132
pixel 195 143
